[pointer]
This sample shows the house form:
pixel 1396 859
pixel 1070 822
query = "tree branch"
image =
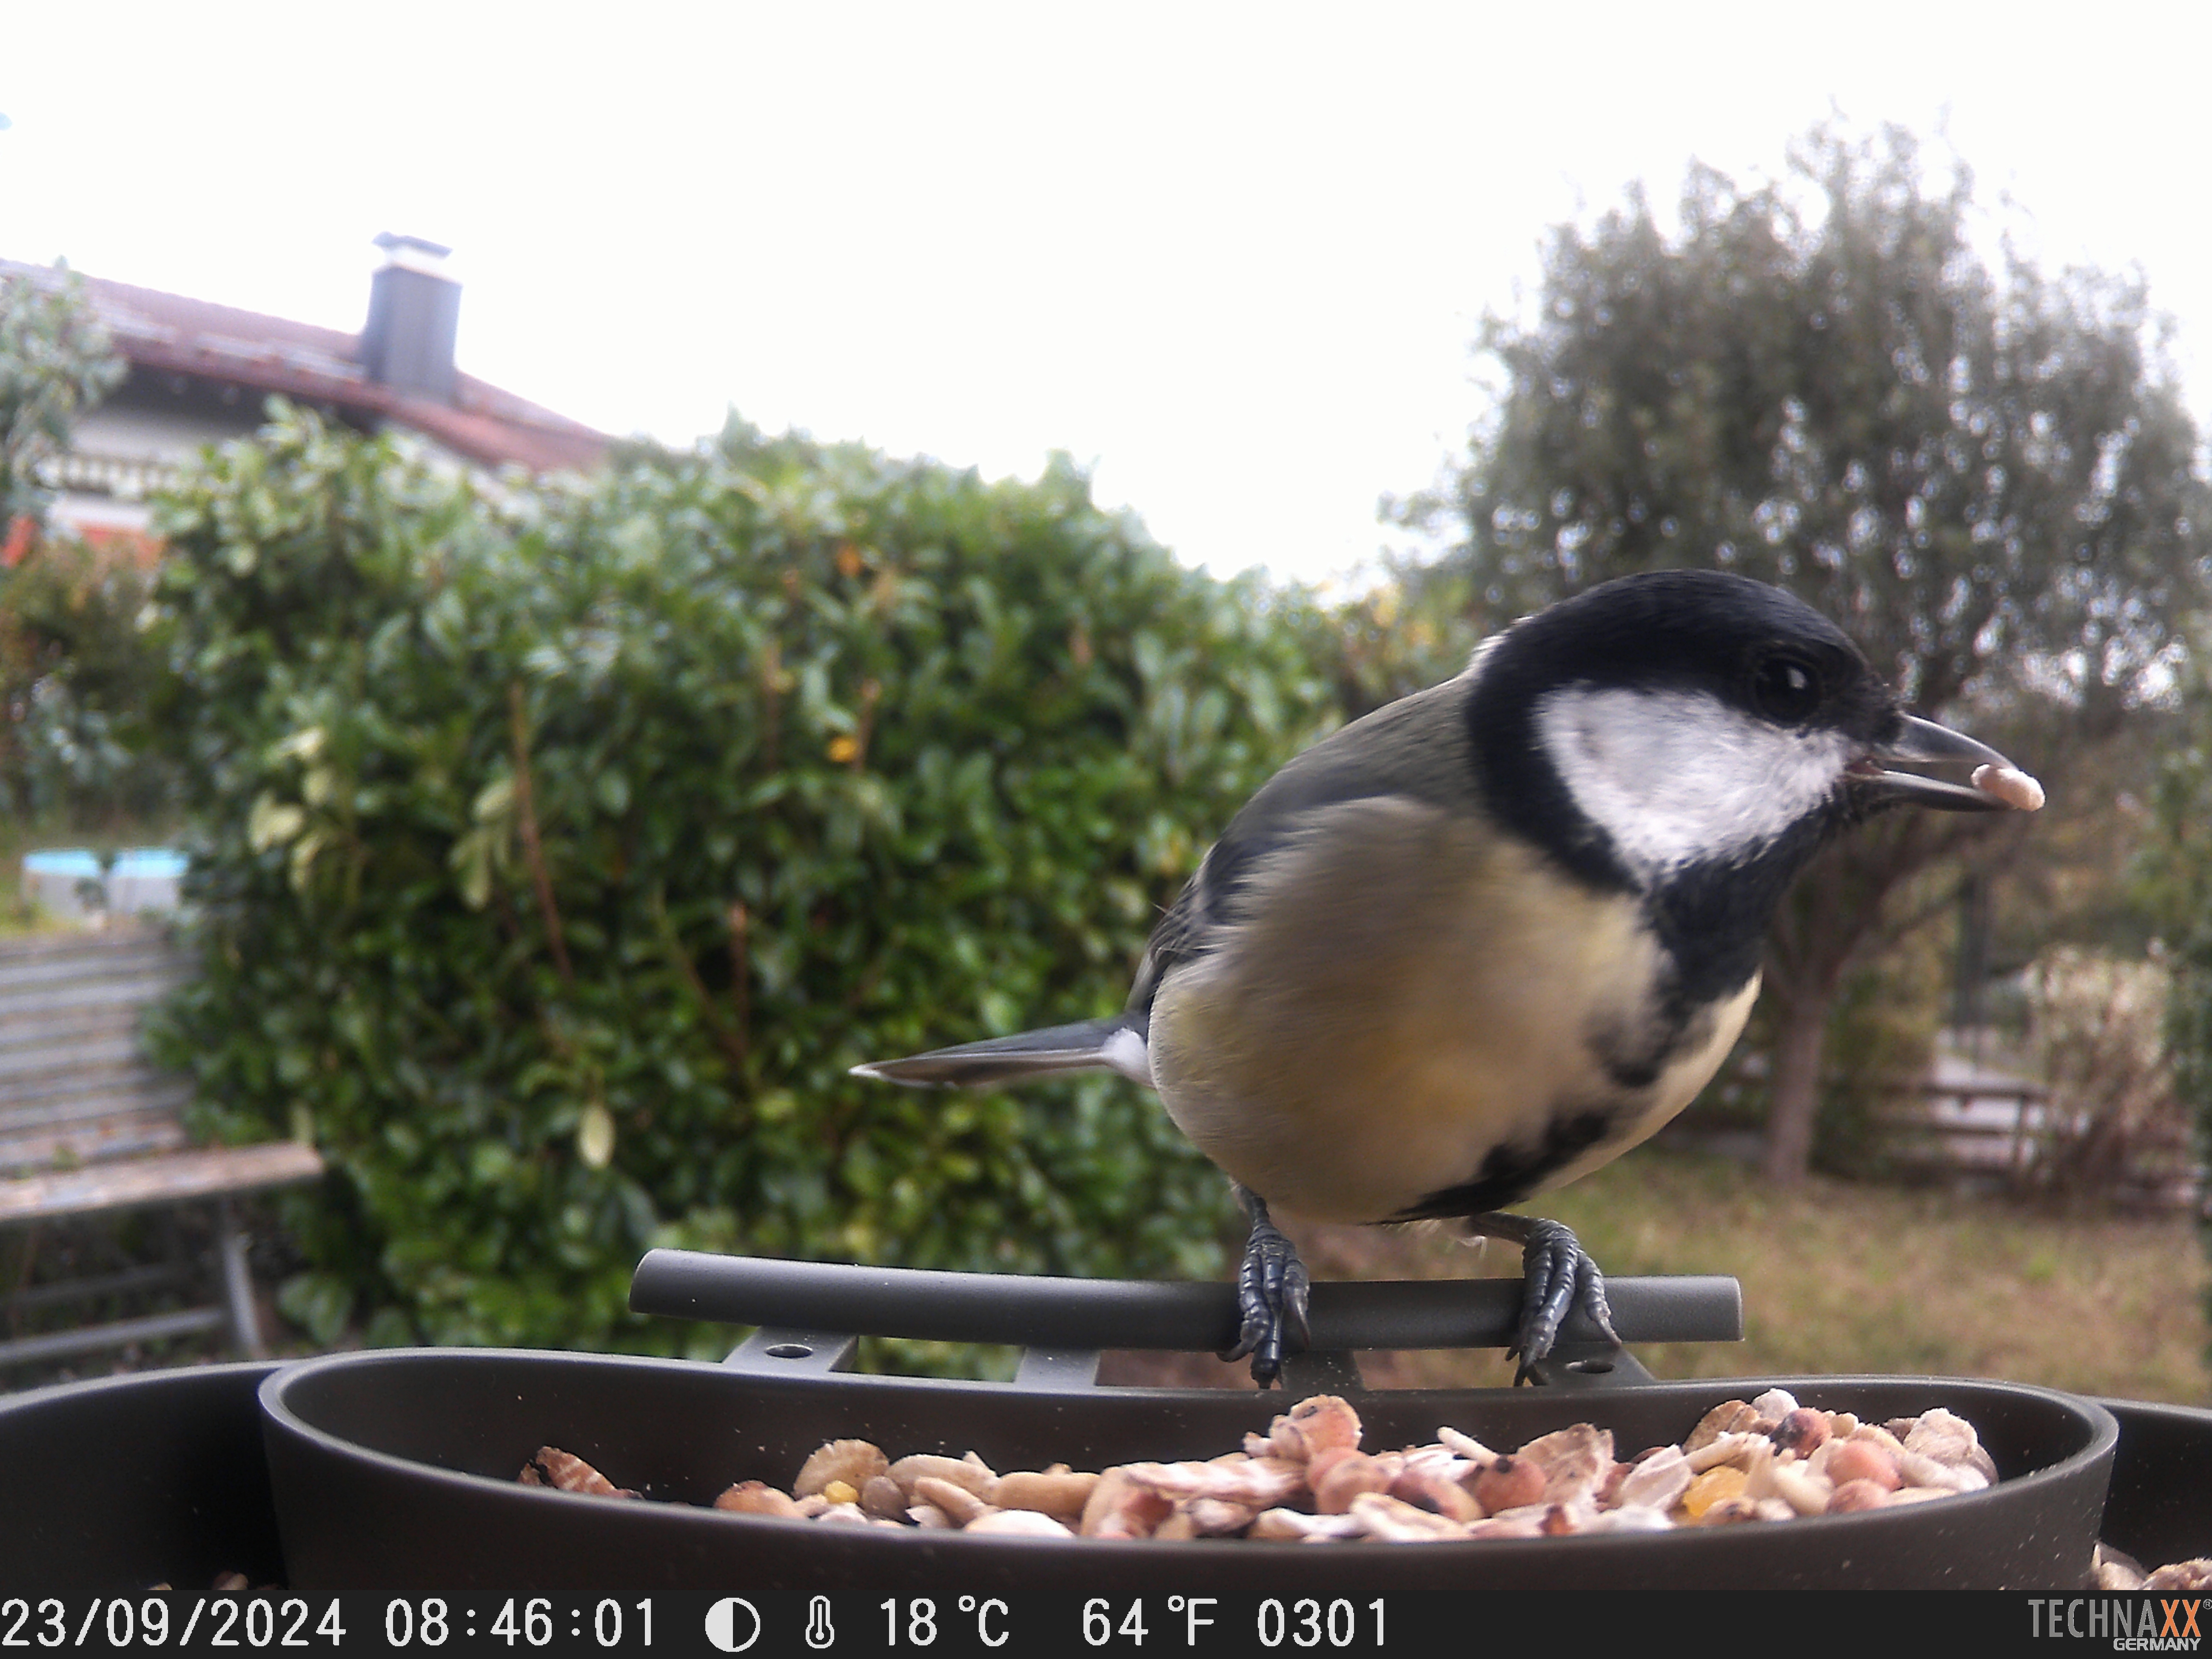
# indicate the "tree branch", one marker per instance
pixel 533 850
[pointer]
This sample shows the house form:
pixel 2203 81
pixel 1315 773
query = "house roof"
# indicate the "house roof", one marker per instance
pixel 169 333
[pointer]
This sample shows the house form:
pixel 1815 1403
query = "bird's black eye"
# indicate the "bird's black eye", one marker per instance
pixel 1785 687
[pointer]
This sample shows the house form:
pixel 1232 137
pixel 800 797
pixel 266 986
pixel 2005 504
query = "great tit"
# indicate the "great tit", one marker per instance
pixel 1494 934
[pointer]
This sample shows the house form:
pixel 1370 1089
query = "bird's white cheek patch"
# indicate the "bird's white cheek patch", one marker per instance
pixel 1680 777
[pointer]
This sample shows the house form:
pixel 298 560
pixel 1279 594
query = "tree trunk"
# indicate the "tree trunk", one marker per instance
pixel 1798 1041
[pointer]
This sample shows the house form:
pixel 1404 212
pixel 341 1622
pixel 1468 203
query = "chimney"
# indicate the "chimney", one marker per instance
pixel 414 308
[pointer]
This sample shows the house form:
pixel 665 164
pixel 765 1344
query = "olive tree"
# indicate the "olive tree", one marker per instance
pixel 1985 473
pixel 55 364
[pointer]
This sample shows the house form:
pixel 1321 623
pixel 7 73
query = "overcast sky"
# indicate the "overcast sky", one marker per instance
pixel 1229 258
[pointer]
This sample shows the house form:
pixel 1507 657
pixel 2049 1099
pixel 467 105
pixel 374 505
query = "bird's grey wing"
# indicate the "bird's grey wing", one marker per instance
pixel 1417 747
pixel 1179 937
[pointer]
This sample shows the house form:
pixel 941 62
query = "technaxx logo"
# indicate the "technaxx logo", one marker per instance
pixel 2132 1623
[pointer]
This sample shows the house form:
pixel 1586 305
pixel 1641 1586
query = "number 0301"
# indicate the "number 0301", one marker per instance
pixel 1309 1623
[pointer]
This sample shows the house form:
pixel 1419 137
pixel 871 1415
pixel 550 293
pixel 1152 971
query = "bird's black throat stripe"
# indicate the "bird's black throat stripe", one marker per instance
pixel 1712 919
pixel 1510 1173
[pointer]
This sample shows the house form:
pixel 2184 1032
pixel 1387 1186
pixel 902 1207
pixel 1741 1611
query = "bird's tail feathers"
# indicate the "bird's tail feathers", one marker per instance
pixel 1116 1044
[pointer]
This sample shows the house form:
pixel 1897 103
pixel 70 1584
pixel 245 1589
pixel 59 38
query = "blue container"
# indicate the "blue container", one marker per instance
pixel 140 878
pixel 72 864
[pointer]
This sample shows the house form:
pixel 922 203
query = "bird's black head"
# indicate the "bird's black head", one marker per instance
pixel 1687 721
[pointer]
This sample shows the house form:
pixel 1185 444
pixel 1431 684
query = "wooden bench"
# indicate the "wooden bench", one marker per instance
pixel 2014 1131
pixel 88 1127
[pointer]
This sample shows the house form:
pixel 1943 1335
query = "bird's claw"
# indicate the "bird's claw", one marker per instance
pixel 1557 1275
pixel 1271 1290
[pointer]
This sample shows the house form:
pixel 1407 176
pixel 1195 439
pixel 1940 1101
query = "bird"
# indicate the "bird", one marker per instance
pixel 1488 938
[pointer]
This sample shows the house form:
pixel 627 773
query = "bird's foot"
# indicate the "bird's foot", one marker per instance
pixel 1557 1276
pixel 1272 1288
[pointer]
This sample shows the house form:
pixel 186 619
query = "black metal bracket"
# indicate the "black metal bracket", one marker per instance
pixel 810 1314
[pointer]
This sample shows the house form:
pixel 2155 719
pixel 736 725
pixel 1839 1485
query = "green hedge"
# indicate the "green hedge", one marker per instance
pixel 559 849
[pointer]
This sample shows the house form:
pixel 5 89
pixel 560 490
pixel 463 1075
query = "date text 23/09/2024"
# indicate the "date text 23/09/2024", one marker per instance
pixel 1004 1621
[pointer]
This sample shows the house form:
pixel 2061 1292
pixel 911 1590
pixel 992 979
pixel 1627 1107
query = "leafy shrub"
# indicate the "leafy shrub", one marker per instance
pixel 75 671
pixel 2172 874
pixel 558 853
pixel 2116 1125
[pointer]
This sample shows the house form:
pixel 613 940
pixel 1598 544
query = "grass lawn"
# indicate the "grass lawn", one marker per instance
pixel 1839 1278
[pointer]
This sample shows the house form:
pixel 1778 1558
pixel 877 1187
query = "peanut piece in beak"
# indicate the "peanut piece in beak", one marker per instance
pixel 2015 789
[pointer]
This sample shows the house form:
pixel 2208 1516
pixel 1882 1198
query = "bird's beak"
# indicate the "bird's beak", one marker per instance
pixel 1925 743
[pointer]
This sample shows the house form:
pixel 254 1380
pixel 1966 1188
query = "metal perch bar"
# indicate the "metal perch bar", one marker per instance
pixel 1089 1314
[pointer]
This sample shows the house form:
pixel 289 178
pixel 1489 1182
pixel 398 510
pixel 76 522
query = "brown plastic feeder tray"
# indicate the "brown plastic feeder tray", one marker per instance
pixel 395 1471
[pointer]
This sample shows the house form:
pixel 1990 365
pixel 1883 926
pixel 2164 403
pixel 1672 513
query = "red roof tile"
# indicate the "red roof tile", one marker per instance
pixel 170 333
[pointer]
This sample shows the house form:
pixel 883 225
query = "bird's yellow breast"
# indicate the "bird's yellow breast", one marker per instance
pixel 1411 994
